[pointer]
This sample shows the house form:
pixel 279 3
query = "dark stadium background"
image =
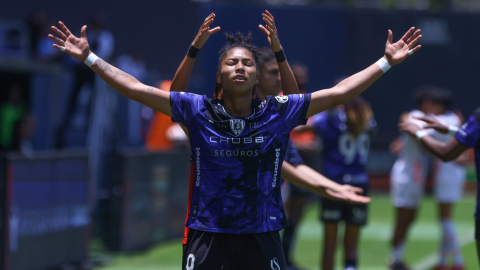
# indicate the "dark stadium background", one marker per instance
pixel 331 38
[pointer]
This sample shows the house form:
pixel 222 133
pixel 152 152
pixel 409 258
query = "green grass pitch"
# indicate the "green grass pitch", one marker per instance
pixel 421 250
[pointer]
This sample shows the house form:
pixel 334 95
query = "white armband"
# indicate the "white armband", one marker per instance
pixel 452 130
pixel 420 134
pixel 90 60
pixel 383 64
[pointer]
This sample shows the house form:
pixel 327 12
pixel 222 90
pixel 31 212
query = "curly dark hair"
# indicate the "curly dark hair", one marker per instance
pixel 234 41
pixel 239 40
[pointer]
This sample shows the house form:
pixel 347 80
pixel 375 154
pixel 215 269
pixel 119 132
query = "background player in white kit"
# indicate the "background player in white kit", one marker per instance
pixel 408 179
pixel 449 180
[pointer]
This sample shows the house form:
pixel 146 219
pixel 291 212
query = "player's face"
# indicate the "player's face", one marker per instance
pixel 238 72
pixel 269 79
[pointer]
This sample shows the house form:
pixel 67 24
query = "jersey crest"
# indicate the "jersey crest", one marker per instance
pixel 281 99
pixel 237 126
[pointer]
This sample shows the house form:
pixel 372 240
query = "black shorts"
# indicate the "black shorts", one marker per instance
pixel 335 211
pixel 221 251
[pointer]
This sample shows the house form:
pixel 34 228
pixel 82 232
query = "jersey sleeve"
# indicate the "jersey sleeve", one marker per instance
pixel 293 108
pixel 469 133
pixel 292 156
pixel 184 106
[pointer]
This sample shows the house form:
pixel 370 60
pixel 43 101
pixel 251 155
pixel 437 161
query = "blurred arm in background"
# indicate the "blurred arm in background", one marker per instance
pixel 445 151
pixel 289 84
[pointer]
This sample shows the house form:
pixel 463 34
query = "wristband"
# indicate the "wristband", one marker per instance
pixel 192 51
pixel 420 134
pixel 383 64
pixel 280 56
pixel 90 60
pixel 452 130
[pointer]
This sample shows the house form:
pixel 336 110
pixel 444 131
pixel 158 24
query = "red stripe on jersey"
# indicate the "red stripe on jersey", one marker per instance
pixel 190 191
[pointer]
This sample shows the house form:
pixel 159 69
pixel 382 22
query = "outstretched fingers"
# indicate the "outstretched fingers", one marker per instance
pixel 407 34
pixel 271 30
pixel 361 199
pixel 59 33
pixel 413 36
pixel 269 21
pixel 56 39
pixel 264 30
pixel 58 47
pixel 269 15
pixel 214 30
pixel 357 190
pixel 414 50
pixel 65 29
pixel 413 42
pixel 209 17
pixel 207 23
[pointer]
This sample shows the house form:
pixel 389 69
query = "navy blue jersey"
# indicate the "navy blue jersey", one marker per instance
pixel 237 161
pixel 469 135
pixel 344 156
pixel 292 156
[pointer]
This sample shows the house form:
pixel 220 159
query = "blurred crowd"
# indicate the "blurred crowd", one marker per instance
pixel 456 5
pixel 18 121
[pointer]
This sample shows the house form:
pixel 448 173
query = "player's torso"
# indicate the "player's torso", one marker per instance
pixel 345 155
pixel 237 166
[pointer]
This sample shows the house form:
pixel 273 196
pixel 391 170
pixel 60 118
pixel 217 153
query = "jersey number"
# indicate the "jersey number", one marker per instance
pixel 349 147
pixel 190 262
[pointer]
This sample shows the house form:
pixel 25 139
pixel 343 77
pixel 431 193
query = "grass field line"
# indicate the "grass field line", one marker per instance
pixel 382 231
pixel 431 260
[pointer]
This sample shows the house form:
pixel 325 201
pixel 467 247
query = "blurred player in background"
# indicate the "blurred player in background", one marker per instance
pixel 409 174
pixel 296 198
pixel 449 180
pixel 468 136
pixel 345 131
pixel 237 143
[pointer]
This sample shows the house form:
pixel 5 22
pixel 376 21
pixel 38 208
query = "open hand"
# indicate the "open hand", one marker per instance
pixel 205 32
pixel 431 122
pixel 396 52
pixel 76 47
pixel 270 30
pixel 348 193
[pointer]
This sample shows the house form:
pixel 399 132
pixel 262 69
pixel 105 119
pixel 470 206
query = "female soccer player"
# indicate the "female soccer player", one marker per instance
pixel 346 139
pixel 237 147
pixel 468 136
pixel 269 83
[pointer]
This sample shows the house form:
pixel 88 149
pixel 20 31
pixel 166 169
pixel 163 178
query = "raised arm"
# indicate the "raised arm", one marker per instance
pixel 124 83
pixel 289 84
pixel 182 76
pixel 347 89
